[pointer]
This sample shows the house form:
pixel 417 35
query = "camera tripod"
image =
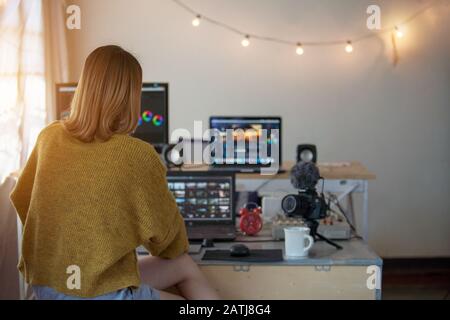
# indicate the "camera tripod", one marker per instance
pixel 313 225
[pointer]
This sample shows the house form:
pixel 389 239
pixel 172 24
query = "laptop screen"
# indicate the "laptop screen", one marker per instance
pixel 203 196
pixel 248 135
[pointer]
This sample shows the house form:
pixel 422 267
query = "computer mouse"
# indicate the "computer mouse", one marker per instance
pixel 239 250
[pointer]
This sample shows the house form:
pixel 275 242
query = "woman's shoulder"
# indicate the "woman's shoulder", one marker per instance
pixel 141 151
pixel 133 149
pixel 136 145
pixel 51 129
pixel 57 124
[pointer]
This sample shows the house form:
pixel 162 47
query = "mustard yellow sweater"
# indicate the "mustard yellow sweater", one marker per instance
pixel 90 205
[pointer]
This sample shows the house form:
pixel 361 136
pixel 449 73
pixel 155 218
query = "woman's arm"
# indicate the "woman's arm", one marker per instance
pixel 160 225
pixel 21 194
pixel 174 244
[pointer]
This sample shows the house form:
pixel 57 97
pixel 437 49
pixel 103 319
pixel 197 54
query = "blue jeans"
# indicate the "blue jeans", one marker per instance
pixel 144 292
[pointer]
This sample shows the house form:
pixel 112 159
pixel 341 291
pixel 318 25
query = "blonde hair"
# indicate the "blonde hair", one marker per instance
pixel 108 96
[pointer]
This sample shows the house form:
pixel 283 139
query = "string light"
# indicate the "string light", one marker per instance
pixel 299 49
pixel 398 33
pixel 349 47
pixel 394 30
pixel 246 41
pixel 196 21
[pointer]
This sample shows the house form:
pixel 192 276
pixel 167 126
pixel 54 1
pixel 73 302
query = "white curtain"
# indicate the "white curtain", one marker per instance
pixel 33 57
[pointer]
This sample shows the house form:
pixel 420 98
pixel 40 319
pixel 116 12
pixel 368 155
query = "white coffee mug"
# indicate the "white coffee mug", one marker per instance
pixel 295 242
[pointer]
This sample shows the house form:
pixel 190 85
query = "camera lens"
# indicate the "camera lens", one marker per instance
pixel 289 204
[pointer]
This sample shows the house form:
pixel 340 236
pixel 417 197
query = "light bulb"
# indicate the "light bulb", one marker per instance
pixel 299 49
pixel 349 47
pixel 245 42
pixel 398 32
pixel 196 21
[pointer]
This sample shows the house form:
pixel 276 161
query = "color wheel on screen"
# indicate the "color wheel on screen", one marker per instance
pixel 148 117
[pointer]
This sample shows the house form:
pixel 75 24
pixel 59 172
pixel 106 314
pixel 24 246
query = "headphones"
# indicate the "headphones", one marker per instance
pixel 251 221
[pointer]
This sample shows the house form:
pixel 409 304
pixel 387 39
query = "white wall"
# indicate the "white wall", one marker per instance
pixel 354 107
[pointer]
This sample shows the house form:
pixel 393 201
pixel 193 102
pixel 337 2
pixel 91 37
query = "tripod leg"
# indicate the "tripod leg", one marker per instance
pixel 334 244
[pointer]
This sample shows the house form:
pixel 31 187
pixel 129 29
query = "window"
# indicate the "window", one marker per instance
pixel 22 81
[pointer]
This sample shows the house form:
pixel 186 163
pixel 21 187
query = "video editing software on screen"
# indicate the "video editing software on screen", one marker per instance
pixel 153 126
pixel 202 198
pixel 252 129
pixel 153 119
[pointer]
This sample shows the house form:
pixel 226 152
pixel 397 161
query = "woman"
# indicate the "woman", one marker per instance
pixel 90 195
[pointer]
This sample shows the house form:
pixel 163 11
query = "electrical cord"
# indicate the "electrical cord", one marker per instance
pixel 333 198
pixel 265 183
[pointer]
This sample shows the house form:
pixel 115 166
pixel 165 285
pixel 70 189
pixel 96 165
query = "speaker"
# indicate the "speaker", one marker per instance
pixel 170 154
pixel 307 153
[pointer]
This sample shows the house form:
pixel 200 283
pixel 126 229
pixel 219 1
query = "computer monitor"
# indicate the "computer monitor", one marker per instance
pixel 203 196
pixel 251 127
pixel 154 119
pixel 153 124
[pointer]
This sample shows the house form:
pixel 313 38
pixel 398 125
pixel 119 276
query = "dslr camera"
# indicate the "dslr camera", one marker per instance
pixel 308 203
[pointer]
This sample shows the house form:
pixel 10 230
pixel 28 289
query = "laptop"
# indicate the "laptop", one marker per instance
pixel 206 202
pixel 249 137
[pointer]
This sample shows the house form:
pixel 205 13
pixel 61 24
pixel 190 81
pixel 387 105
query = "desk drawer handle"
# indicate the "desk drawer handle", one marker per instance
pixel 322 268
pixel 242 268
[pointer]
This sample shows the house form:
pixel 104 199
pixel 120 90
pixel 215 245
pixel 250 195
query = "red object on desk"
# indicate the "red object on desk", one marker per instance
pixel 251 221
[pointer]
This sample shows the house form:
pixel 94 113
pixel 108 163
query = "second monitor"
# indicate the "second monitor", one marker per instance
pixel 248 155
pixel 153 126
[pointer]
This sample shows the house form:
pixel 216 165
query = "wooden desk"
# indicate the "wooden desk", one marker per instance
pixel 336 171
pixel 326 274
pixel 343 179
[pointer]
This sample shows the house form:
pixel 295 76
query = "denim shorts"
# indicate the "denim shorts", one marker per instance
pixel 144 292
